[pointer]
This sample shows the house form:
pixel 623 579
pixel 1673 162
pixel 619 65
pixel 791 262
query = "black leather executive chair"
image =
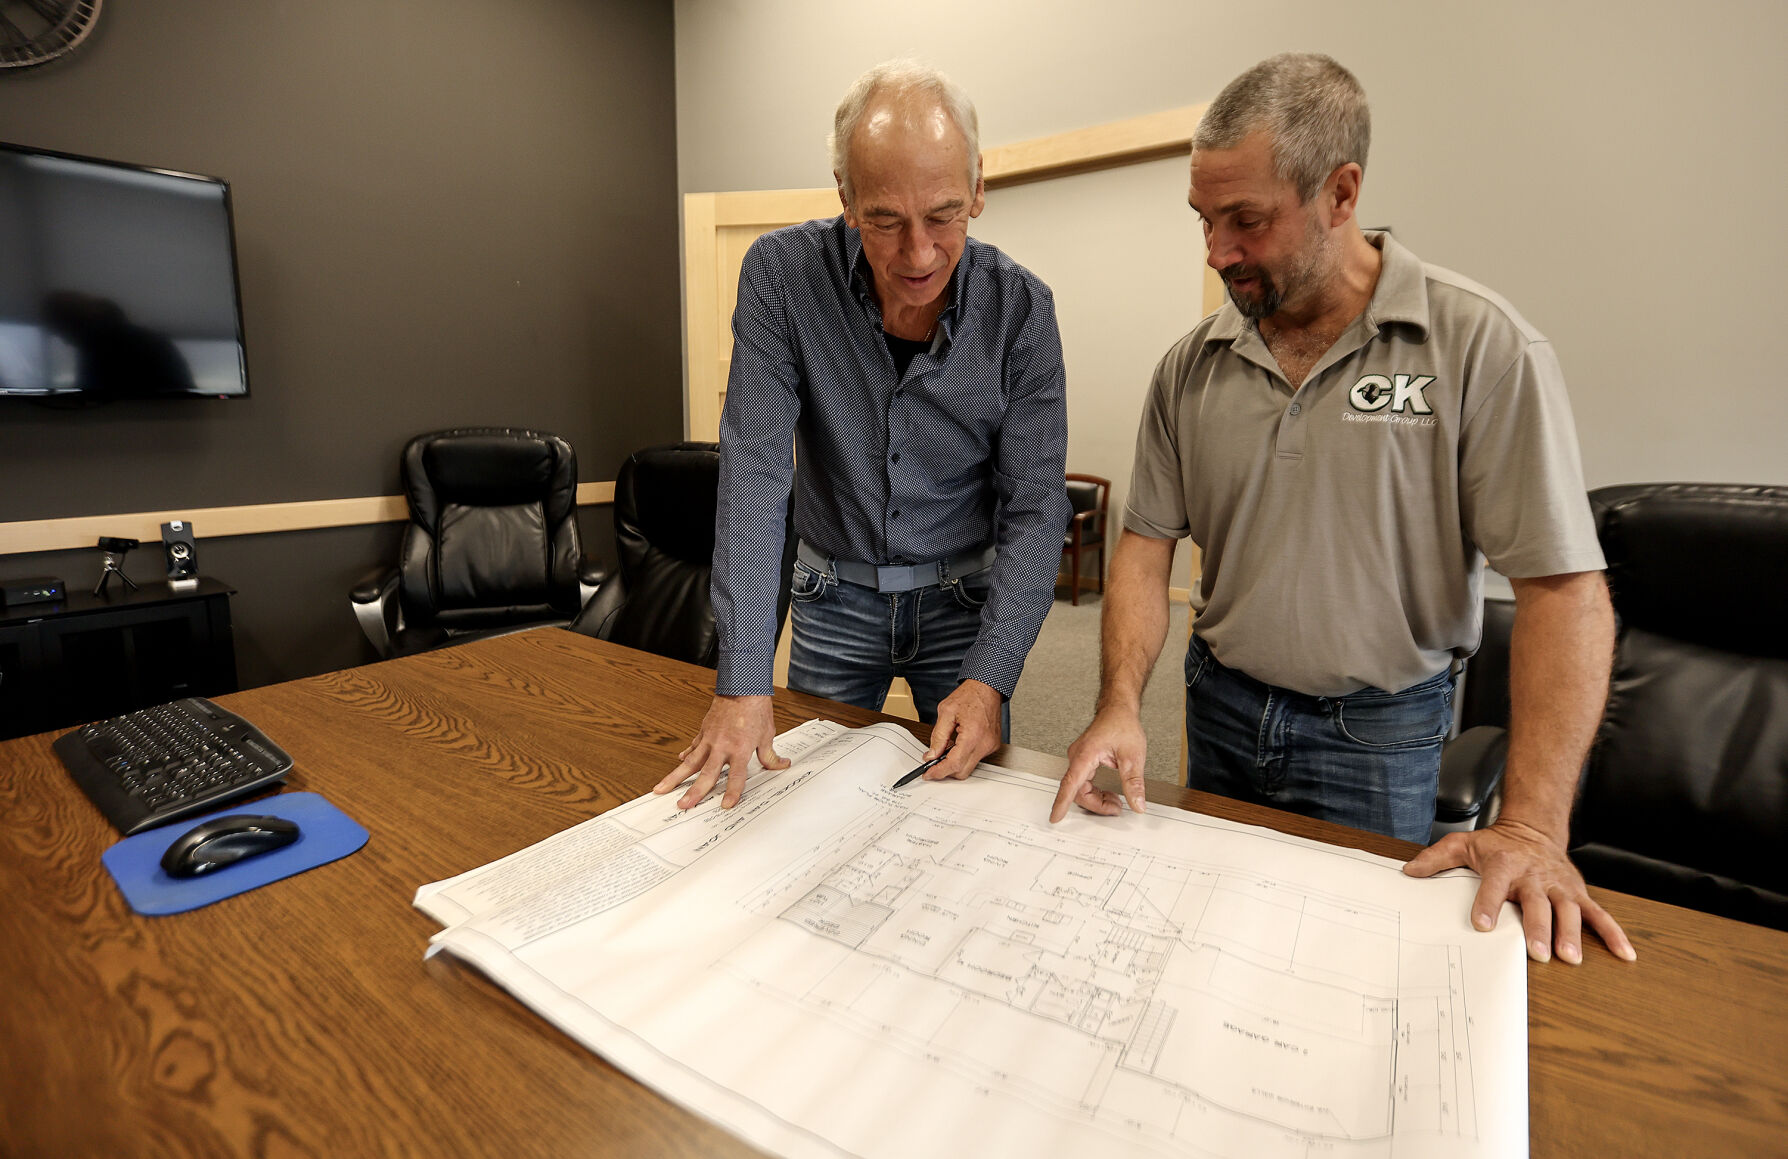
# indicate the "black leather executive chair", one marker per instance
pixel 1684 797
pixel 491 546
pixel 1472 762
pixel 658 599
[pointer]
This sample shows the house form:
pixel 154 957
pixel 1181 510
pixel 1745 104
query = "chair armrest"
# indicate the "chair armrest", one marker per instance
pixel 591 575
pixel 1471 767
pixel 370 588
pixel 374 601
pixel 598 614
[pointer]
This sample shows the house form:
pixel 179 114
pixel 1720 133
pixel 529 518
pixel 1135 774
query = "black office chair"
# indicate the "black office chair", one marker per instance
pixel 491 546
pixel 1684 797
pixel 658 599
pixel 1471 764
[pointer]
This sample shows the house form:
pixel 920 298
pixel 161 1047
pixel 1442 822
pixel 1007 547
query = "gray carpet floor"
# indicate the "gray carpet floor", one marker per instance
pixel 1054 698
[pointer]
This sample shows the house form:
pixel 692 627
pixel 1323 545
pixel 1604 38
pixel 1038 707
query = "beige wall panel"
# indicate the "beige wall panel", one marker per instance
pixel 1531 146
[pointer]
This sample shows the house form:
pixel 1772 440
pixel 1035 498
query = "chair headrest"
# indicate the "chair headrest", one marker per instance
pixel 1702 562
pixel 489 467
pixel 666 496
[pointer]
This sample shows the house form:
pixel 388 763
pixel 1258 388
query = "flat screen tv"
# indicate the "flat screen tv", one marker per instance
pixel 116 281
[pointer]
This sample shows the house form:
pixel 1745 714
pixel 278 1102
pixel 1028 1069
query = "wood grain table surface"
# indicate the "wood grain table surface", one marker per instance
pixel 301 1019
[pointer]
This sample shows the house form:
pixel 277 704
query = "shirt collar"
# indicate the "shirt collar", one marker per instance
pixel 1402 291
pixel 1400 296
pixel 857 270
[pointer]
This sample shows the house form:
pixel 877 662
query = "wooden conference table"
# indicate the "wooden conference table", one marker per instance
pixel 301 1018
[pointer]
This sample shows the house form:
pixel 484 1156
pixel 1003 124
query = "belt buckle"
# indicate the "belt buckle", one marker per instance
pixel 892 577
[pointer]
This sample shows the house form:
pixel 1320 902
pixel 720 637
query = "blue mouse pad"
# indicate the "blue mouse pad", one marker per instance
pixel 325 833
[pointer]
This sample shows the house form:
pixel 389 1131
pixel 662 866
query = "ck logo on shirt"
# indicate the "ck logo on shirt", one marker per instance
pixel 1402 394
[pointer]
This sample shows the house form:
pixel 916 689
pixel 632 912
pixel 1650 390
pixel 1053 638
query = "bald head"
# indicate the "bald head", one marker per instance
pixel 897 110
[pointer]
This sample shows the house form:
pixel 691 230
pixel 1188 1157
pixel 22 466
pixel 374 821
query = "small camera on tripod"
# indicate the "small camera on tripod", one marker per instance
pixel 115 548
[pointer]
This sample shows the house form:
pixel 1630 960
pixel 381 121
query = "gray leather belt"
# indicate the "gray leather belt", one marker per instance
pixel 898 578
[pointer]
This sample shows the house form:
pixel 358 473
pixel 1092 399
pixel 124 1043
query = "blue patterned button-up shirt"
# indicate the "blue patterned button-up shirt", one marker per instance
pixel 966 450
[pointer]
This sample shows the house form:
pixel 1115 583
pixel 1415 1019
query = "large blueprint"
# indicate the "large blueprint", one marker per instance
pixel 837 968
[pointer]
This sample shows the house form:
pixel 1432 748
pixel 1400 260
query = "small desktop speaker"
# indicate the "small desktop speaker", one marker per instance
pixel 182 554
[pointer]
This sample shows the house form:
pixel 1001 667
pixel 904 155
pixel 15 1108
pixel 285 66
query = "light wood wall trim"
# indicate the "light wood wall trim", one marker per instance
pixel 766 206
pixel 1146 138
pixel 214 522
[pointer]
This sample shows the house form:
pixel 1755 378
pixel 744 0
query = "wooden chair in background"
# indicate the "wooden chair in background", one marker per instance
pixel 1089 496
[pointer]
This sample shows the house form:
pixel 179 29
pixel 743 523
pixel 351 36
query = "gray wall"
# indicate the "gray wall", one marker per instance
pixel 448 212
pixel 1613 169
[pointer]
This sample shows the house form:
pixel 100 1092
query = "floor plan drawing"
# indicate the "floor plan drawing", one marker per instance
pixel 1169 985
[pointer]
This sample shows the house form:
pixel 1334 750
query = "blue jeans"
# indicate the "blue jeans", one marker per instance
pixel 850 642
pixel 1370 759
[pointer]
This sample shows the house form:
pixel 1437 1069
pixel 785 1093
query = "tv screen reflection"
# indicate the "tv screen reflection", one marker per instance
pixel 115 282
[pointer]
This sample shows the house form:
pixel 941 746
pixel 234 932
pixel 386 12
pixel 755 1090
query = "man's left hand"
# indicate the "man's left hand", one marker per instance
pixel 968 724
pixel 1519 863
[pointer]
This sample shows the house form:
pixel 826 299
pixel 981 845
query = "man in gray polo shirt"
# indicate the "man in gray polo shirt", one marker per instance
pixel 1348 439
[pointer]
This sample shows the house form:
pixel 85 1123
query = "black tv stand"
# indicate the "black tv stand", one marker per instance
pixel 91 656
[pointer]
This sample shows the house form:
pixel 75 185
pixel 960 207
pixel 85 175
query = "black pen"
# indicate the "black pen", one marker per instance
pixel 916 773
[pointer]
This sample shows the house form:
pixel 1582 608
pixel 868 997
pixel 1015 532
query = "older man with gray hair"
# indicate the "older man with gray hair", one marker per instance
pixel 918 374
pixel 1348 439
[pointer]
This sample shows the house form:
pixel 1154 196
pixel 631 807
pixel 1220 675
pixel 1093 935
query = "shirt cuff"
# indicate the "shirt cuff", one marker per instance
pixel 993 666
pixel 745 674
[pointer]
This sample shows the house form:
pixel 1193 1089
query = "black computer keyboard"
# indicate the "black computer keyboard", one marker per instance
pixel 160 764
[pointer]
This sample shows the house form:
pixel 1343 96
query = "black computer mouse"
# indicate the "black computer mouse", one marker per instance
pixel 223 841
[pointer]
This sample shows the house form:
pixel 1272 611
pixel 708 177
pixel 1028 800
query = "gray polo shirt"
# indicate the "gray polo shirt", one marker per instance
pixel 1345 524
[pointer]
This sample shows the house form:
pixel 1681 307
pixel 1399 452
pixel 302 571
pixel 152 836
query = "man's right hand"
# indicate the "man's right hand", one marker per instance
pixel 735 727
pixel 1115 739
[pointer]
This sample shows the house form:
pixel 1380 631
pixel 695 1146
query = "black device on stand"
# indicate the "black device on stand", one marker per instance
pixel 182 555
pixel 115 548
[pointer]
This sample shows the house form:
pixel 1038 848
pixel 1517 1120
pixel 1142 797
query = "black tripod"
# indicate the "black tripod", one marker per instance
pixel 114 566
